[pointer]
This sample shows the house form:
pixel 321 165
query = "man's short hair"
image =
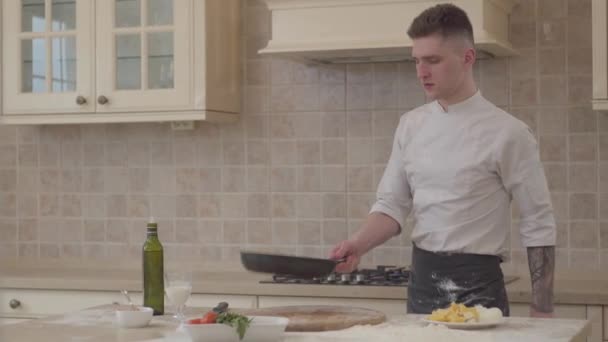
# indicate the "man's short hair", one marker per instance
pixel 446 20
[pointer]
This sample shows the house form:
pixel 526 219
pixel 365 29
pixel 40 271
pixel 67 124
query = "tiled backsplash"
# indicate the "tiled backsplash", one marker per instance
pixel 298 172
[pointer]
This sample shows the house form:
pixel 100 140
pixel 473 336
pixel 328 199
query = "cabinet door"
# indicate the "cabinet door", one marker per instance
pixel 143 55
pixel 47 53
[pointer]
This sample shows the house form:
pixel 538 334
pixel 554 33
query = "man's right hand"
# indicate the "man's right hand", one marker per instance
pixel 346 249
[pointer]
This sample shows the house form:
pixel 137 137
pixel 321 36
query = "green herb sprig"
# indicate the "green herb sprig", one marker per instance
pixel 239 322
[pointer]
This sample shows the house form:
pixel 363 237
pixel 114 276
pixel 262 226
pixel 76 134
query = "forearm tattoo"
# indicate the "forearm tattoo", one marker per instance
pixel 542 266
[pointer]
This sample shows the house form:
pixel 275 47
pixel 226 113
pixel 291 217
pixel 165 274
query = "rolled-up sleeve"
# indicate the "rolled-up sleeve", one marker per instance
pixel 393 196
pixel 523 177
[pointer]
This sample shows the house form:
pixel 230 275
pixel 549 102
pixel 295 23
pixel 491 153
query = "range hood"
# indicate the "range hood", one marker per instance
pixel 349 31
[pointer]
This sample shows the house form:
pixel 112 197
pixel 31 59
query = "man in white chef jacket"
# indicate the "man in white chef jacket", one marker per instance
pixel 455 165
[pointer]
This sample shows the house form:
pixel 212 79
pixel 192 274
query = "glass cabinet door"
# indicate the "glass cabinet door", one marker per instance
pixel 144 55
pixel 47 44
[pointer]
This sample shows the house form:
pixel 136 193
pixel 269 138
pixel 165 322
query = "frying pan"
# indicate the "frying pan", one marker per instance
pixel 303 267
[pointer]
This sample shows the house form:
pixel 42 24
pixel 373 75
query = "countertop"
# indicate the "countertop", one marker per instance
pixel 570 287
pixel 96 325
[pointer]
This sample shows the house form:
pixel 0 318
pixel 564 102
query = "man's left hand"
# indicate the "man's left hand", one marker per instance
pixel 538 314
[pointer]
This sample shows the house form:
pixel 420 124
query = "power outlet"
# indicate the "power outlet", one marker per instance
pixel 182 125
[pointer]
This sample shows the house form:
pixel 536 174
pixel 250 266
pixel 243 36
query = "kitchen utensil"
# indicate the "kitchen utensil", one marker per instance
pixel 319 317
pixel 285 264
pixel 136 318
pixel 126 294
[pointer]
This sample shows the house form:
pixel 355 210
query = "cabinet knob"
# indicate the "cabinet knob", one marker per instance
pixel 81 100
pixel 102 100
pixel 14 303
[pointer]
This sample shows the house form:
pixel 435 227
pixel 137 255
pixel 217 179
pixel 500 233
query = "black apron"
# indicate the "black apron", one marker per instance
pixel 438 279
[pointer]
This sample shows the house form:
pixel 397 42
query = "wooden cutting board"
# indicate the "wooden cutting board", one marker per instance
pixel 320 317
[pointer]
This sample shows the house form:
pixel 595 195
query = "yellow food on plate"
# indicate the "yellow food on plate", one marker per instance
pixel 455 313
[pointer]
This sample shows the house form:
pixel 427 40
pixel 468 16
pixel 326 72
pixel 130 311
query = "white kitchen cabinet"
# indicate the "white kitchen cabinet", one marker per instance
pixel 600 53
pixel 388 306
pixel 91 61
pixel 26 303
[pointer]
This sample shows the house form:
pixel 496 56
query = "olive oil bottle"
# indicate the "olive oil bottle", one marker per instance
pixel 153 267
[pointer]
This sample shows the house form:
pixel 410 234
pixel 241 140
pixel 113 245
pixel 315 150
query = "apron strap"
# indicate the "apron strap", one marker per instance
pixel 438 279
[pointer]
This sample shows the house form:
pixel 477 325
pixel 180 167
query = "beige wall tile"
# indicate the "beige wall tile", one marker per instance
pixel 234 152
pixel 552 8
pixel 93 180
pixel 27 205
pixel 210 231
pixel 306 98
pixel 359 178
pixel 283 179
pixel 333 124
pixel 579 31
pixel 186 231
pixel 282 98
pixel 94 230
pixel 139 179
pixel 333 178
pixel 233 179
pixel 210 153
pixel 308 152
pixel 603 171
pixel 283 205
pixel 308 206
pixel 359 124
pixel 8 205
pixel 523 33
pixel 258 205
pixel 359 205
pixel 524 90
pixel 584 234
pixel 8 135
pixel 581 120
pixel 553 90
pixel 256 99
pixel 28 155
pixel 49 251
pixel 71 230
pixel 49 180
pixel 553 148
pixel 584 259
pixel 28 250
pixel 92 205
pixel 71 180
pixel 28 134
pixel 49 205
pixel 529 115
pixel 258 152
pixel 283 152
pixel 359 151
pixel 71 205
pixel 234 205
pixel 71 155
pixel 604 234
pixel 334 231
pixel 48 155
pixel 551 32
pixel 332 97
pixel 583 177
pixel 28 230
pixel 28 180
pixel 257 72
pixel 116 179
pixel 557 177
pixel 562 234
pixel 583 206
pixel 138 206
pixel 308 178
pixel 579 60
pixel 333 151
pixel 603 121
pixel 553 121
pixel 117 230
pixel 210 180
pixel 307 125
pixel 185 152
pixel 71 250
pixel 334 205
pixel 553 61
pixel 209 205
pixel 94 154
pixel 603 206
pixel 116 205
pixel 309 232
pixel 284 233
pixel 583 147
pixel 8 180
pixel 580 89
pixel 603 147
pixel 259 232
pixel 258 178
pixel 186 205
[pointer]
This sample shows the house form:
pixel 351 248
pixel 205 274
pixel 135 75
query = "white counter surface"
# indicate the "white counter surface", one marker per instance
pixel 96 325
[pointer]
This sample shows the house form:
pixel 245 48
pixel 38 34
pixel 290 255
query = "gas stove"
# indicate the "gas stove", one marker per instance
pixel 379 276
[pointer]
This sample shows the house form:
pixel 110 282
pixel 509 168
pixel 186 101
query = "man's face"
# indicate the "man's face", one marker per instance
pixel 441 65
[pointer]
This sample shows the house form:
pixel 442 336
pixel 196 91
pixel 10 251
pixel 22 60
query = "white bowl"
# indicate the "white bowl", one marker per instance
pixel 261 329
pixel 128 318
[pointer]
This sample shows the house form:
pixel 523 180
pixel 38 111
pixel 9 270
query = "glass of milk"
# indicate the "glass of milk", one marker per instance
pixel 178 286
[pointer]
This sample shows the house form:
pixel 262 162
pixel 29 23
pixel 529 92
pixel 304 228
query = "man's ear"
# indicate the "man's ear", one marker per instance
pixel 469 56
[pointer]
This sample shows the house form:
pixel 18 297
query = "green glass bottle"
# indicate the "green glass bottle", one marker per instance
pixel 153 267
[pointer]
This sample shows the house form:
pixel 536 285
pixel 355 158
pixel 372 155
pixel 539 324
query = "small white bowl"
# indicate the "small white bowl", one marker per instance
pixel 134 318
pixel 261 329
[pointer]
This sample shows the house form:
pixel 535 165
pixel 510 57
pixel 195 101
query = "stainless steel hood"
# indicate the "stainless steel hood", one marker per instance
pixel 349 31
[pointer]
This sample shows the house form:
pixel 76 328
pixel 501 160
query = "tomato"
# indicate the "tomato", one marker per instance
pixel 196 321
pixel 209 317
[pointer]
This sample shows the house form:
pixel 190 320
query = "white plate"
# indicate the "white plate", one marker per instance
pixel 466 326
